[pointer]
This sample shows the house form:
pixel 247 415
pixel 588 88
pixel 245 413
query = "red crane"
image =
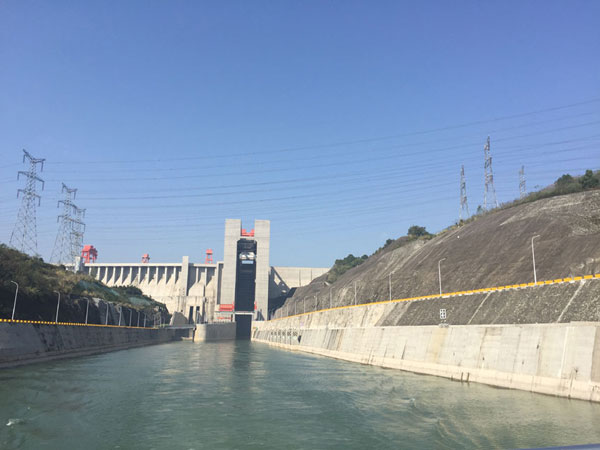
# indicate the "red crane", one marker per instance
pixel 89 253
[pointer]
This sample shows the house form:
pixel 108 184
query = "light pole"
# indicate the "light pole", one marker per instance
pixel 130 316
pixel 390 284
pixel 533 257
pixel 107 310
pixel 87 308
pixel 440 274
pixel 138 324
pixel 120 314
pixel 15 303
pixel 57 306
pixel 144 320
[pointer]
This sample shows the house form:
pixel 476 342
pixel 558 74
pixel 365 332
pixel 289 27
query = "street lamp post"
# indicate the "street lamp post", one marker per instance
pixel 87 308
pixel 533 257
pixel 107 311
pixel 120 314
pixel 130 316
pixel 15 303
pixel 57 306
pixel 390 284
pixel 440 273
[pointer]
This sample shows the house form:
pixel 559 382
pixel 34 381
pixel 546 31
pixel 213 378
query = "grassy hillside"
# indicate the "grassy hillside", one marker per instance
pixel 39 282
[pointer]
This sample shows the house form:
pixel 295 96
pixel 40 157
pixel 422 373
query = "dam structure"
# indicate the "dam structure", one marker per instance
pixel 242 288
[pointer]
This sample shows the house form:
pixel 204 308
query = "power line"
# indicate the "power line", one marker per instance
pixel 356 141
pixel 304 156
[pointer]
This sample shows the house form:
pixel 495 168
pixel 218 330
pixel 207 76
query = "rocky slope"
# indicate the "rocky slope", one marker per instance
pixel 493 249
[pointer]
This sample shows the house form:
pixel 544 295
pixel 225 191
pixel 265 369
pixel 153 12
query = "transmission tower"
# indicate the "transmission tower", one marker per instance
pixel 489 189
pixel 522 187
pixel 61 253
pixel 24 234
pixel 464 206
pixel 77 232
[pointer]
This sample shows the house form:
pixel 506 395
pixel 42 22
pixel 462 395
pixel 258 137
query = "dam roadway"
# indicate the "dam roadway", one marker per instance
pixel 227 395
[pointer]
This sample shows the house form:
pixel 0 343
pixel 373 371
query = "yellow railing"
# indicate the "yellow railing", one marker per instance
pixel 455 294
pixel 43 322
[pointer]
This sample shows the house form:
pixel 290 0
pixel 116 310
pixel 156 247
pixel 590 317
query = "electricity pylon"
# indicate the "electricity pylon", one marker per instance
pixel 489 178
pixel 24 234
pixel 522 186
pixel 61 253
pixel 464 206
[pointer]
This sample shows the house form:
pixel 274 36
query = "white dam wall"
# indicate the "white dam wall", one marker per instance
pixel 186 285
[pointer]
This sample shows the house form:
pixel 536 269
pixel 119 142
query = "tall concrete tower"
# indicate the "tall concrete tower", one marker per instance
pixel 246 270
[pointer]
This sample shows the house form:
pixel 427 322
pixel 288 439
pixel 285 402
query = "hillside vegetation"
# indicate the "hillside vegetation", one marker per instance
pixel 39 283
pixel 489 249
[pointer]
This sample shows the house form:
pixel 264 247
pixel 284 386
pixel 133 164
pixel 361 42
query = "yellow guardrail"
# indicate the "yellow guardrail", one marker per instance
pixel 454 294
pixel 75 324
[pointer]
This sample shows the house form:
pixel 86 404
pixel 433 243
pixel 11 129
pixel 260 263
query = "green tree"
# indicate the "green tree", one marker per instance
pixel 417 231
pixel 566 184
pixel 341 266
pixel 589 180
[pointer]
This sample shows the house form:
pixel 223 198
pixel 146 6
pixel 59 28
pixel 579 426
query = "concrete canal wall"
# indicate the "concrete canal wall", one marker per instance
pixel 215 332
pixel 23 343
pixel 485 338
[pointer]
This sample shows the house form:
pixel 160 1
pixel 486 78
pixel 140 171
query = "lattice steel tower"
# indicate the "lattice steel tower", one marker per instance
pixel 464 206
pixel 61 253
pixel 77 232
pixel 489 190
pixel 24 234
pixel 522 187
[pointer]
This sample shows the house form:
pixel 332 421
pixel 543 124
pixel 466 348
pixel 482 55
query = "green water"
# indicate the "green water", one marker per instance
pixel 250 396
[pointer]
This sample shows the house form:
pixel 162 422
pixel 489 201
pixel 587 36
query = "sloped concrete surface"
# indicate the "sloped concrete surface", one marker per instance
pixel 22 343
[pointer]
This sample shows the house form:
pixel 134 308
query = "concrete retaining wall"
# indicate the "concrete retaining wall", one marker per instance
pixel 215 332
pixel 556 359
pixel 23 343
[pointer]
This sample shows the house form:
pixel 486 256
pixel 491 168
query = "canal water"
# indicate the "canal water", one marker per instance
pixel 243 395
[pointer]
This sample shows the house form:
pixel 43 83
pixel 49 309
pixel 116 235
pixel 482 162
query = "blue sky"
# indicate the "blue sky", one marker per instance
pixel 344 123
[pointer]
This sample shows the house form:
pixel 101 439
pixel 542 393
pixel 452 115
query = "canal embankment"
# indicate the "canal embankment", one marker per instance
pixel 544 338
pixel 29 342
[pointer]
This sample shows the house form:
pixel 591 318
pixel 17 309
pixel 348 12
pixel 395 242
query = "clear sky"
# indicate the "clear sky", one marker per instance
pixel 342 122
